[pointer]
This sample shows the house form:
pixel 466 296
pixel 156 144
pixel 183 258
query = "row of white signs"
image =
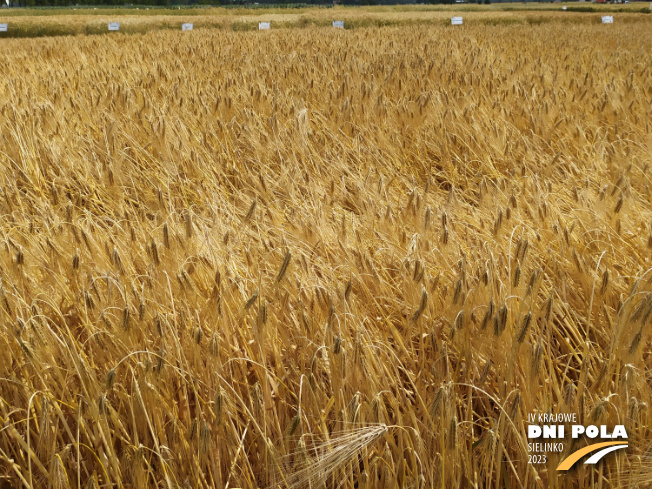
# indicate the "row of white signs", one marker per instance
pixel 115 26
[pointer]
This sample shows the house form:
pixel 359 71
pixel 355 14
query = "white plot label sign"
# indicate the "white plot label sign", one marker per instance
pixel 114 26
pixel 456 21
pixel 186 27
pixel 263 26
pixel 339 24
pixel 4 27
pixel 607 19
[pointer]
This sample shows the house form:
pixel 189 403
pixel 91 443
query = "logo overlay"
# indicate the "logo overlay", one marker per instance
pixel 552 426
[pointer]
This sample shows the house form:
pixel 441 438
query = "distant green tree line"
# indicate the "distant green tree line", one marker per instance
pixel 226 3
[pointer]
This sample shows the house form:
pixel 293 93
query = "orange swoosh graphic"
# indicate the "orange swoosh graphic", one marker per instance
pixel 575 456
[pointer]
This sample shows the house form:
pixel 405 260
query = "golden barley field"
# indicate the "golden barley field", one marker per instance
pixel 314 258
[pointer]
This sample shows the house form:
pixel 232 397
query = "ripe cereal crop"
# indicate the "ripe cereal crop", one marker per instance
pixel 324 258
